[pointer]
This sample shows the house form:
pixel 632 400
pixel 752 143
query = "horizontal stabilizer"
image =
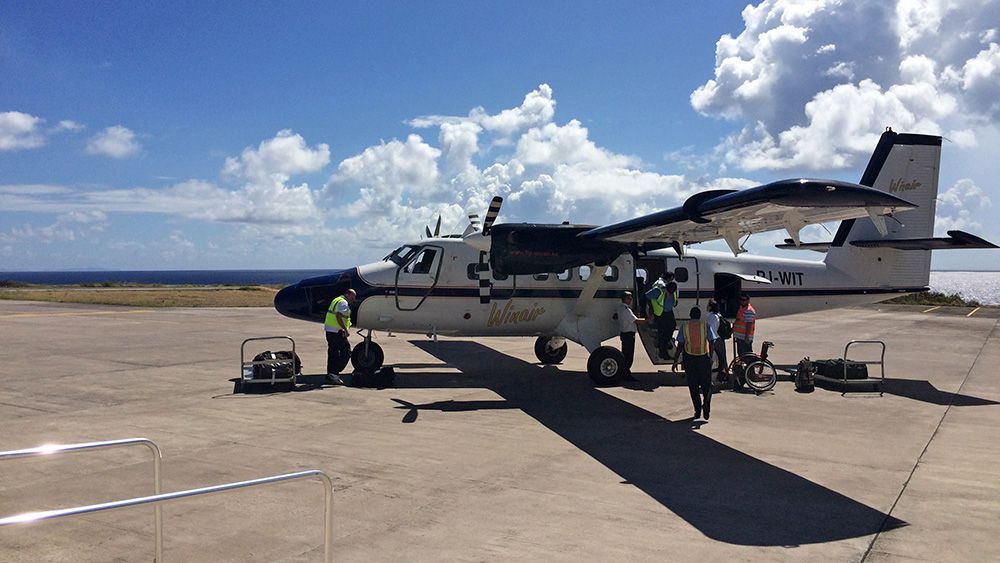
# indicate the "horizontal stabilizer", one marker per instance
pixel 789 244
pixel 955 239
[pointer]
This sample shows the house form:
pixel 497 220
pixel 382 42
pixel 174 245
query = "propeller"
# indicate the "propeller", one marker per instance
pixel 481 241
pixel 437 230
pixel 491 215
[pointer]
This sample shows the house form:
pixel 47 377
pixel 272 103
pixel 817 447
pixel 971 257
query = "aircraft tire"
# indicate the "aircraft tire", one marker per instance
pixel 369 362
pixel 547 356
pixel 606 366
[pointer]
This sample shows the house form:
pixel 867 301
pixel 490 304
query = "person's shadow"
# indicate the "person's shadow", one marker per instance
pixel 726 494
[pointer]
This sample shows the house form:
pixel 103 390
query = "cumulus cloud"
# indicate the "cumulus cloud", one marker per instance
pixel 116 141
pixel 815 82
pixel 67 227
pixel 957 205
pixel 278 158
pixel 20 131
pixel 547 172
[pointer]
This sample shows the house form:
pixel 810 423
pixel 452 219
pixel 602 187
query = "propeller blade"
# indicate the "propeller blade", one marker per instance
pixel 484 279
pixel 491 215
pixel 427 230
pixel 437 229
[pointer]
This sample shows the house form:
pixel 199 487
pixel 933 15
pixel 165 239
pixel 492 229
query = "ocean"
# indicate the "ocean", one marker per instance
pixel 981 286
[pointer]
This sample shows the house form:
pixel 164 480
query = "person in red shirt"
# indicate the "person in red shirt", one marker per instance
pixel 743 328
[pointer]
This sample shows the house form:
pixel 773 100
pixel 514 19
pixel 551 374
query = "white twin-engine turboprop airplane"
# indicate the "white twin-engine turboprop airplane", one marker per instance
pixel 563 282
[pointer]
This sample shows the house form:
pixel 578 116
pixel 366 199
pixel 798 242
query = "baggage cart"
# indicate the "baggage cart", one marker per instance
pixel 853 383
pixel 282 370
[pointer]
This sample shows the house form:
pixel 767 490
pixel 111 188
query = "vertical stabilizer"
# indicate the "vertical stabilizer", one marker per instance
pixel 905 165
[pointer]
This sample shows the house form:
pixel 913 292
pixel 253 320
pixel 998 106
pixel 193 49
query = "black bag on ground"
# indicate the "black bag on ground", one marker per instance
pixel 835 369
pixel 804 382
pixel 381 379
pixel 284 370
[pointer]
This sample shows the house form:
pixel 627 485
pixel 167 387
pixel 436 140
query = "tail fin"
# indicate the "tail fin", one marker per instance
pixel 905 165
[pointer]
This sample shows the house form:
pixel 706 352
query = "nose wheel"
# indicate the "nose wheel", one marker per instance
pixel 367 356
pixel 606 366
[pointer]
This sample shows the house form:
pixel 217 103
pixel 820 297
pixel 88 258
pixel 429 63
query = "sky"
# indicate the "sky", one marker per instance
pixel 302 135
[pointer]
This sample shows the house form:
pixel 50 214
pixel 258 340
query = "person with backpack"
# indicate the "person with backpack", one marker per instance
pixel 723 330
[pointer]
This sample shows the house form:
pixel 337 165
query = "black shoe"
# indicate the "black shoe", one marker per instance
pixel 697 414
pixel 706 414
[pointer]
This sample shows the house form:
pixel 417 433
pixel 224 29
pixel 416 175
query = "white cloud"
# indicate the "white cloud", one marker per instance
pixel 538 108
pixel 115 141
pixel 67 227
pixel 20 131
pixel 68 125
pixel 957 205
pixel 278 158
pixel 924 66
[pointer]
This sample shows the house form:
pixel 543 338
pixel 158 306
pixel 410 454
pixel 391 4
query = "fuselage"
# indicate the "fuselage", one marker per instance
pixel 433 287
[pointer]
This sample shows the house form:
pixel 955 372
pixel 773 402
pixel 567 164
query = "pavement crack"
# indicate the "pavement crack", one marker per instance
pixel 937 428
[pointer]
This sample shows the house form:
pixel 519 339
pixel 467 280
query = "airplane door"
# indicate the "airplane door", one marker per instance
pixel 727 293
pixel 416 278
pixel 686 275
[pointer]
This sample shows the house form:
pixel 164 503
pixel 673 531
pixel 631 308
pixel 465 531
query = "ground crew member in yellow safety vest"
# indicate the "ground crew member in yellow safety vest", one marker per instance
pixel 338 329
pixel 663 298
pixel 695 341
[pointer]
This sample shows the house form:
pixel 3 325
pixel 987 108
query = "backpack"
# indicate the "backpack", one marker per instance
pixel 725 329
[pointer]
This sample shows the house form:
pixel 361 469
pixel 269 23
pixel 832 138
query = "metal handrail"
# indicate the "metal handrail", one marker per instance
pixel 167 497
pixel 52 449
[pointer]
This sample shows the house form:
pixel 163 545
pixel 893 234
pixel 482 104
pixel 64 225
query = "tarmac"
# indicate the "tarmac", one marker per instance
pixel 478 453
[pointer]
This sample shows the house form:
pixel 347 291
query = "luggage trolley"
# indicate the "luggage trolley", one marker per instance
pixel 284 365
pixel 874 382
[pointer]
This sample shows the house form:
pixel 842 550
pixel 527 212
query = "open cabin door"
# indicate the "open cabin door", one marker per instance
pixel 647 271
pixel 416 278
pixel 728 288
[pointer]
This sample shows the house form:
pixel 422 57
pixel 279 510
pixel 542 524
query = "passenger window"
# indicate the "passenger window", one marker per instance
pixel 499 277
pixel 422 263
pixel 540 277
pixel 611 274
pixel 472 271
pixel 565 275
pixel 584 273
pixel 681 275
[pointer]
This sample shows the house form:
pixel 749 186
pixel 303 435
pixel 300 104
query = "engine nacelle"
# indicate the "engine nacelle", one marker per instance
pixel 534 249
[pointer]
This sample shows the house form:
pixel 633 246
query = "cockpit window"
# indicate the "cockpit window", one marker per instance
pixel 400 255
pixel 422 263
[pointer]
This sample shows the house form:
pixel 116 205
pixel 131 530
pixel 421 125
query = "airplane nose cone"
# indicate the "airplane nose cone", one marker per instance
pixel 292 302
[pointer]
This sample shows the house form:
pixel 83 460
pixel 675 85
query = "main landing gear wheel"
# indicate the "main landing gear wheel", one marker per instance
pixel 606 366
pixel 550 350
pixel 367 360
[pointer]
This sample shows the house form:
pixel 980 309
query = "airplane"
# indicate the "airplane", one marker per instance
pixel 562 282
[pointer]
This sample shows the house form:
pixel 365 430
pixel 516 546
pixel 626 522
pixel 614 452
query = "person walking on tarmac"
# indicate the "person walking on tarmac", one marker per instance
pixel 719 345
pixel 338 330
pixel 626 325
pixel 663 298
pixel 694 342
pixel 743 328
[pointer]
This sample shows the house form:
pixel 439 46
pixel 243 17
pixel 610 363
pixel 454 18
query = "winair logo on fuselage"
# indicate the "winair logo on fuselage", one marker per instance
pixel 901 185
pixel 509 315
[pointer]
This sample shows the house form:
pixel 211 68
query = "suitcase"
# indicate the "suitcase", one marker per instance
pixel 835 369
pixel 280 371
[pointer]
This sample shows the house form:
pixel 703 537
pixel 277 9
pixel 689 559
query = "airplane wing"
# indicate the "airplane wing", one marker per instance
pixel 731 214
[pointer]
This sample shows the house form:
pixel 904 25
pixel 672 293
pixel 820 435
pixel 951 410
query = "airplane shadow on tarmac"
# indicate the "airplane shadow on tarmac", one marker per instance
pixel 925 391
pixel 726 494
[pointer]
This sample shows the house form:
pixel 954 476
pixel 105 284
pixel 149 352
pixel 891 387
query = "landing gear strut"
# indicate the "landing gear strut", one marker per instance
pixel 606 366
pixel 550 349
pixel 367 356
